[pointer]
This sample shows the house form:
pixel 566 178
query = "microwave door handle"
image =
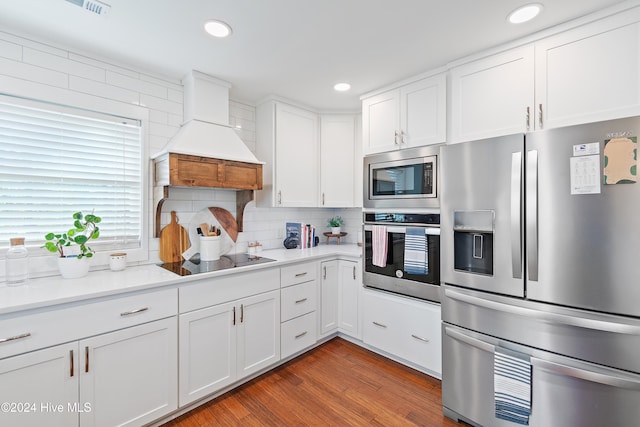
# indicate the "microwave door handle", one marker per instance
pixel 516 215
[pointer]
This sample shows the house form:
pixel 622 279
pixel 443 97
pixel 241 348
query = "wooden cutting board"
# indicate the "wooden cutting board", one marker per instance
pixel 174 240
pixel 227 221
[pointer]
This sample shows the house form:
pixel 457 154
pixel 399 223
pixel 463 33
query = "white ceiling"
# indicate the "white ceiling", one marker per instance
pixel 292 48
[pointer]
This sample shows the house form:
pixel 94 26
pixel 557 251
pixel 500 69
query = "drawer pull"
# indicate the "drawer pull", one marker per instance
pixel 17 337
pixel 379 324
pixel 136 311
pixel 71 363
pixel 420 338
pixel 300 301
pixel 301 274
pixel 301 335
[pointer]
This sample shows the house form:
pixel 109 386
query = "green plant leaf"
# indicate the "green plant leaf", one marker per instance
pixel 80 239
pixel 77 215
pixel 95 234
pixel 49 236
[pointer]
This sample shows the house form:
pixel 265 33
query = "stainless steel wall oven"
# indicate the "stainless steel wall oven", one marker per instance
pixel 411 269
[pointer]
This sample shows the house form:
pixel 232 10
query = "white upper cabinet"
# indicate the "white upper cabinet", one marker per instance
pixel 409 116
pixel 586 74
pixel 287 141
pixel 590 73
pixel 337 160
pixel 492 96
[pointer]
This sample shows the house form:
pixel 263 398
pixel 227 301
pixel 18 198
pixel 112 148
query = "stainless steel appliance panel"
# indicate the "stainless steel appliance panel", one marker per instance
pixel 566 392
pixel 582 249
pixel 605 339
pixel 480 179
pixel 423 192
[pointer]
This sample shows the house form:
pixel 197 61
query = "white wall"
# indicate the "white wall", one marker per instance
pixel 42 71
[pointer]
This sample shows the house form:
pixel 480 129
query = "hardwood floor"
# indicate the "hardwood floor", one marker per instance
pixel 335 384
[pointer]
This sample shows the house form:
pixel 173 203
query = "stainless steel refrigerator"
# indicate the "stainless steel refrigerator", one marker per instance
pixel 540 246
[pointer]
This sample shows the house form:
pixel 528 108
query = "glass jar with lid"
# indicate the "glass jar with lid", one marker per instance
pixel 17 262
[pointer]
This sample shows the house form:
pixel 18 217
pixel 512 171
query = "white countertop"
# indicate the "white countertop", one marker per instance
pixel 49 291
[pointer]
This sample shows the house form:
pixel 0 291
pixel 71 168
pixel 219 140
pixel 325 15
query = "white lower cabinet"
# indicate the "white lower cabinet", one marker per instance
pixel 125 378
pixel 129 377
pixel 39 387
pixel 329 287
pixel 222 344
pixel 340 289
pixel 299 303
pixel 405 328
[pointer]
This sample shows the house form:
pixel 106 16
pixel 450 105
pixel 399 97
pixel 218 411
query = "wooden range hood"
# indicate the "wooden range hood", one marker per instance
pixel 206 152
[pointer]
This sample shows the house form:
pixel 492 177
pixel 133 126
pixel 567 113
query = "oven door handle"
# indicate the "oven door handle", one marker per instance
pixel 432 231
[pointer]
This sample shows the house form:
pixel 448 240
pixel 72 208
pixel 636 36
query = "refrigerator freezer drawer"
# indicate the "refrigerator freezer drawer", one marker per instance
pixel 565 392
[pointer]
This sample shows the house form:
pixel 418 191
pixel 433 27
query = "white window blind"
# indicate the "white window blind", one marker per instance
pixel 55 161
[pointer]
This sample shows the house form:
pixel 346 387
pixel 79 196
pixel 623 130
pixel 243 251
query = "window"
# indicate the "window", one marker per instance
pixel 56 160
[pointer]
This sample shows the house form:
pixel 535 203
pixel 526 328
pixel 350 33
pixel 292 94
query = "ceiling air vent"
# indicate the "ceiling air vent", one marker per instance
pixel 94 6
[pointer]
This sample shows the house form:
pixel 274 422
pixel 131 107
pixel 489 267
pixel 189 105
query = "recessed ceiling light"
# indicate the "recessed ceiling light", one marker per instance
pixel 342 87
pixel 525 13
pixel 217 28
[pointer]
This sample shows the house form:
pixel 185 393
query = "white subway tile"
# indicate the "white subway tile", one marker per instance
pixel 10 50
pixel 45 47
pixel 65 65
pixel 169 83
pixel 175 120
pixel 33 73
pixel 103 90
pixel 159 117
pixel 156 103
pixel 175 95
pixel 100 63
pixel 135 84
pixel 159 129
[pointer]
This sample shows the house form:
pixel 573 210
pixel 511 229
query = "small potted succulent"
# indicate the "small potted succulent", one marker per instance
pixel 85 228
pixel 335 223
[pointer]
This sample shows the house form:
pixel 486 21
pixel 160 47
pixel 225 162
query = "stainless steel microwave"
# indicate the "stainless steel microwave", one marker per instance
pixel 402 179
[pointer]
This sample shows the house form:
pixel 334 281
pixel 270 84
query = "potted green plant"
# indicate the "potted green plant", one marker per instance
pixel 85 228
pixel 335 223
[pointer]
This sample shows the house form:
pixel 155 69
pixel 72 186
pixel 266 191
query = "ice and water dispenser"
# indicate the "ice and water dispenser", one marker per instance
pixel 473 241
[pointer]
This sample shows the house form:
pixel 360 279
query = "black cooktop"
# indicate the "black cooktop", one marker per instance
pixel 195 266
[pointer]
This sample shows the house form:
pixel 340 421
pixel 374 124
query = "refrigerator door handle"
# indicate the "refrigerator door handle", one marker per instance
pixel 516 215
pixel 579 322
pixel 532 214
pixel 587 375
pixel 474 342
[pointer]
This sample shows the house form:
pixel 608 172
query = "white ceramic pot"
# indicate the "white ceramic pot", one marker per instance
pixel 73 268
pixel 335 230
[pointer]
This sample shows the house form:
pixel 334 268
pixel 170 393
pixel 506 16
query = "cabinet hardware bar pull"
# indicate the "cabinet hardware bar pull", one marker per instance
pixel 301 300
pixel 354 272
pixel 86 359
pixel 419 338
pixel 301 274
pixel 395 138
pixel 301 335
pixel 137 310
pixel 540 116
pixel 402 137
pixel 379 324
pixel 322 199
pixel 241 313
pixel 234 316
pixel 528 118
pixel 279 197
pixel 16 337
pixel 71 363
pixel 324 273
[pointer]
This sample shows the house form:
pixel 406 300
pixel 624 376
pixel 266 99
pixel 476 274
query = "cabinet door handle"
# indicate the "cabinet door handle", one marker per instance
pixel 301 274
pixel 136 311
pixel 301 335
pixel 16 337
pixel 234 316
pixel 86 359
pixel 322 199
pixel 241 313
pixel 528 118
pixel 420 338
pixel 279 197
pixel 402 141
pixel 354 272
pixel 540 115
pixel 395 138
pixel 300 301
pixel 71 373
pixel 324 273
pixel 379 324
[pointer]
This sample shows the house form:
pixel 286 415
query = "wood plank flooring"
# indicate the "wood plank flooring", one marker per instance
pixel 335 384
